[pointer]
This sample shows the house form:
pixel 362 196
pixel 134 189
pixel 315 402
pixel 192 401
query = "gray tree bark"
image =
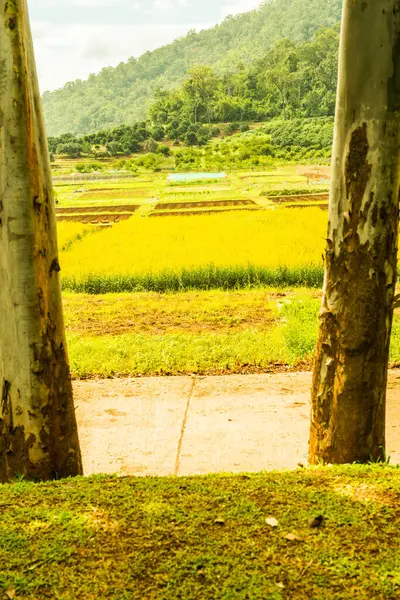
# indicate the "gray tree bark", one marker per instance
pixel 38 432
pixel 350 372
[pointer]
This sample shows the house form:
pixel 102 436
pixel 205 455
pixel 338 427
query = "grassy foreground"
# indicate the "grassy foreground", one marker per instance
pixel 204 537
pixel 205 333
pixel 211 332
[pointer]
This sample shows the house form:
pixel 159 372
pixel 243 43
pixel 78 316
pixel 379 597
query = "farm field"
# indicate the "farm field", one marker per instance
pixel 151 188
pixel 212 332
pixel 223 251
pixel 204 332
pixel 231 292
pixel 228 235
pixel 109 201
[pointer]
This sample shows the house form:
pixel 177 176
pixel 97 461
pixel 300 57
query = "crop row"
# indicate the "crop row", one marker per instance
pixel 199 278
pixel 227 251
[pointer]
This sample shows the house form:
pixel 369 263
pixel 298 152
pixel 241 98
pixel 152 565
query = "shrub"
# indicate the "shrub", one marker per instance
pixel 191 139
pixel 164 150
pixel 157 133
pixel 71 149
pixel 151 145
pixel 150 161
pixel 115 148
pixel 231 128
pixel 88 167
pixel 173 134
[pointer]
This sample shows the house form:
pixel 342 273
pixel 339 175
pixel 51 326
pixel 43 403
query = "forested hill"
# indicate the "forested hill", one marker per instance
pixel 123 94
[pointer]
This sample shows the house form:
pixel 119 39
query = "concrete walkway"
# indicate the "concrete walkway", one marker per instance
pixel 186 426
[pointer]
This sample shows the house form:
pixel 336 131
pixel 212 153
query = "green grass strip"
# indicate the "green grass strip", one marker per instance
pixel 175 354
pixel 199 278
pixel 289 342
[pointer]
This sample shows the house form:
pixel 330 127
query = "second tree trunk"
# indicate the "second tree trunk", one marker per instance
pixel 350 372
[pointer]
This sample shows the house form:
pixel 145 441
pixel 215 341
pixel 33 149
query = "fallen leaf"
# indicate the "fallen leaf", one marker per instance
pixel 10 592
pixel 280 586
pixel 272 522
pixel 291 537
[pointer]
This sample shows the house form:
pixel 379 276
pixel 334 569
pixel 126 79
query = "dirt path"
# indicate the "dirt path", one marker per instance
pixel 185 425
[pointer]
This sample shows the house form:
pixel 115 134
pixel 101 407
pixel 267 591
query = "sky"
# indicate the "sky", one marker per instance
pixel 74 38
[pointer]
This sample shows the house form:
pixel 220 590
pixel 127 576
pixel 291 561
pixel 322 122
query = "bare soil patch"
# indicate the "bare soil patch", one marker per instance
pixel 310 205
pixel 95 219
pixel 125 208
pixel 154 314
pixel 193 213
pixel 203 204
pixel 299 198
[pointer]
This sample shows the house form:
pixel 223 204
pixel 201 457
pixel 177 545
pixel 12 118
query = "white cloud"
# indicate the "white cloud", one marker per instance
pixel 74 38
pixel 65 53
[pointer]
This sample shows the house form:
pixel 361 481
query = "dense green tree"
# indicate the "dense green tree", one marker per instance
pixel 290 81
pixel 123 94
pixel 115 148
pixel 151 145
pixel 71 149
pixel 283 77
pixel 198 91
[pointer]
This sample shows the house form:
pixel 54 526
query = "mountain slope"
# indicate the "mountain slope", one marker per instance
pixel 122 94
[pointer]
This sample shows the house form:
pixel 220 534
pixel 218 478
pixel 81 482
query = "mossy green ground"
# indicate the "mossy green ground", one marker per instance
pixel 204 537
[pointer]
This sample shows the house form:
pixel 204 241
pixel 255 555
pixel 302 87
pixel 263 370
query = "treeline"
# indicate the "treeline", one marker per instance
pixel 290 82
pixel 126 139
pixel 298 140
pixel 123 94
pixel 140 137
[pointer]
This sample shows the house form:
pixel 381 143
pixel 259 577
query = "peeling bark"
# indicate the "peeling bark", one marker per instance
pixel 38 432
pixel 351 363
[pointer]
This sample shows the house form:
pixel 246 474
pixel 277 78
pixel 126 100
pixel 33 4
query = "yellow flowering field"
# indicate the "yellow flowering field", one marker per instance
pixel 69 233
pixel 238 248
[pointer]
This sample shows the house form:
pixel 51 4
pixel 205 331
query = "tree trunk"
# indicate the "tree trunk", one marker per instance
pixel 38 432
pixel 350 372
pixel 280 89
